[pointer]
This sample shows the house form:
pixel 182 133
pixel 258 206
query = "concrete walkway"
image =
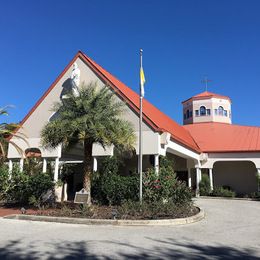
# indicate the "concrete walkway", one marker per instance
pixel 231 230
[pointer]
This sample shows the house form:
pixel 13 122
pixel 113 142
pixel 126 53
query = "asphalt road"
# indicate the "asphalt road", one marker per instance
pixel 231 230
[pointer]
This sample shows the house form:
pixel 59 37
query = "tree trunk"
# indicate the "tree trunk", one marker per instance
pixel 87 169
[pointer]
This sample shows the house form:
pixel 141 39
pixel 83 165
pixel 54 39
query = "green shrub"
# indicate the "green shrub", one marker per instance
pixel 24 188
pixel 18 190
pixel 109 187
pixel 119 188
pixel 39 184
pixel 164 186
pixel 4 181
pixel 204 185
pixel 222 192
pixel 255 195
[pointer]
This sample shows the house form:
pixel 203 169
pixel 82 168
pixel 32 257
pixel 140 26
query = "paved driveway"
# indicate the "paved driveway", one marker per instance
pixel 231 230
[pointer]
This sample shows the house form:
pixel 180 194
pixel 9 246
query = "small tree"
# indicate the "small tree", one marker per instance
pixel 94 116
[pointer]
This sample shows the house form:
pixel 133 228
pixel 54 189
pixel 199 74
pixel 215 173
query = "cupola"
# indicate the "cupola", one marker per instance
pixel 207 107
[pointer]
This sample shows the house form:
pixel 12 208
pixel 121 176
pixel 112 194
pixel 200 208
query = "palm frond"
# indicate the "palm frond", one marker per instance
pixel 95 115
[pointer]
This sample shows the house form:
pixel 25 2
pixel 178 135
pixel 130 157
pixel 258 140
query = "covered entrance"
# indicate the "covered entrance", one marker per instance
pixel 239 176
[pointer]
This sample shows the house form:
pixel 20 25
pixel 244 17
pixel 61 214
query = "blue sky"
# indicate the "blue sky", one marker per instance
pixel 182 41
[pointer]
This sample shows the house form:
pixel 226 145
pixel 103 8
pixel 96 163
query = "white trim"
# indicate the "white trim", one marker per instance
pixel 211 178
pixel 198 179
pixel 44 165
pixel 217 157
pixel 189 177
pixel 156 163
pixel 21 164
pixel 10 167
pixel 181 151
pixel 56 169
pixel 95 164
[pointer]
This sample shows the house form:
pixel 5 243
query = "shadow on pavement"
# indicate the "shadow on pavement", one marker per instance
pixel 164 249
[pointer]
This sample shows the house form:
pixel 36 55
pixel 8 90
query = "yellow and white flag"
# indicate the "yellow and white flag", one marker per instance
pixel 142 81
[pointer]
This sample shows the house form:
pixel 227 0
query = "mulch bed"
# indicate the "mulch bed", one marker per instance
pixel 10 209
pixel 95 212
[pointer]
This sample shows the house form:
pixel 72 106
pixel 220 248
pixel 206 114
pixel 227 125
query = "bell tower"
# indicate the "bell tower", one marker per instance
pixel 207 107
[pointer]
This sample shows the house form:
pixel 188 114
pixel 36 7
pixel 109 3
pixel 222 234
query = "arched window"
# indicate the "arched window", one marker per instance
pixel 220 111
pixel 202 111
pixel 33 153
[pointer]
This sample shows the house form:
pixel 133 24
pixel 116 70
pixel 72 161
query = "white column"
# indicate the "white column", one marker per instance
pixel 44 165
pixel 211 178
pixel 189 177
pixel 94 164
pixel 21 164
pixel 258 179
pixel 198 179
pixel 10 166
pixel 156 163
pixel 56 169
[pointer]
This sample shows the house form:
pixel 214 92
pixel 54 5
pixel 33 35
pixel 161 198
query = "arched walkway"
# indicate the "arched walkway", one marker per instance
pixel 240 176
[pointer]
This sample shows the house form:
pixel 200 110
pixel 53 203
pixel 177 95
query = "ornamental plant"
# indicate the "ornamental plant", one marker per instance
pixel 94 116
pixel 205 185
pixel 164 186
pixel 109 187
pixel 4 181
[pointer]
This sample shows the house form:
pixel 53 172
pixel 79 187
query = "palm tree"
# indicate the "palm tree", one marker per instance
pixel 91 117
pixel 6 132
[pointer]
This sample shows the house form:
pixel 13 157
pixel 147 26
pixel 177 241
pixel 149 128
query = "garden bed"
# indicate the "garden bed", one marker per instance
pixel 72 210
pixel 114 212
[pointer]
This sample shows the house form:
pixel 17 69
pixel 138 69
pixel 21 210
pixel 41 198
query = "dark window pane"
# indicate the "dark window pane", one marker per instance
pixel 187 113
pixel 202 111
pixel 225 112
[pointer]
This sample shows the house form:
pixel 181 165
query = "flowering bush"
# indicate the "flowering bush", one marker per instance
pixel 164 186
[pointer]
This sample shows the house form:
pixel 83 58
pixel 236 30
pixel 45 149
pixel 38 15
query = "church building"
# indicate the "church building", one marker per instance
pixel 207 142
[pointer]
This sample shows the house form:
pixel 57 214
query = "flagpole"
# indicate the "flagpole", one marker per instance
pixel 140 160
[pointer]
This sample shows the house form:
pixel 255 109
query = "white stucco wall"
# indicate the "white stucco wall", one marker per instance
pixel 210 103
pixel 33 125
pixel 240 176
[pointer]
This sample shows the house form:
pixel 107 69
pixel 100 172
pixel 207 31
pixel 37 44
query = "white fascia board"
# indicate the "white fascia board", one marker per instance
pixel 98 150
pixel 181 151
pixel 31 143
pixel 151 143
pixel 225 157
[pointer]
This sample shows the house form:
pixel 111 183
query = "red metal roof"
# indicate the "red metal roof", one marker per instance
pixel 221 137
pixel 152 116
pixel 207 95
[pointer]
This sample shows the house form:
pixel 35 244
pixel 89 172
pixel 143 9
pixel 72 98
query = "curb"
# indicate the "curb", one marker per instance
pixel 119 222
pixel 226 198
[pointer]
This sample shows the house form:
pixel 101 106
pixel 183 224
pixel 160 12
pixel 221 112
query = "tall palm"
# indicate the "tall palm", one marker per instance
pixel 6 132
pixel 94 116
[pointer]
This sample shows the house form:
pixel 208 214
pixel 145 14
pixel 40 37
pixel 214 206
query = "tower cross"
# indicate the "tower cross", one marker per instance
pixel 206 81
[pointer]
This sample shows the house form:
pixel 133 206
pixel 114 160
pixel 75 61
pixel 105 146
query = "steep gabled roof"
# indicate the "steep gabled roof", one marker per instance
pixel 223 138
pixel 153 116
pixel 207 95
pixel 156 119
